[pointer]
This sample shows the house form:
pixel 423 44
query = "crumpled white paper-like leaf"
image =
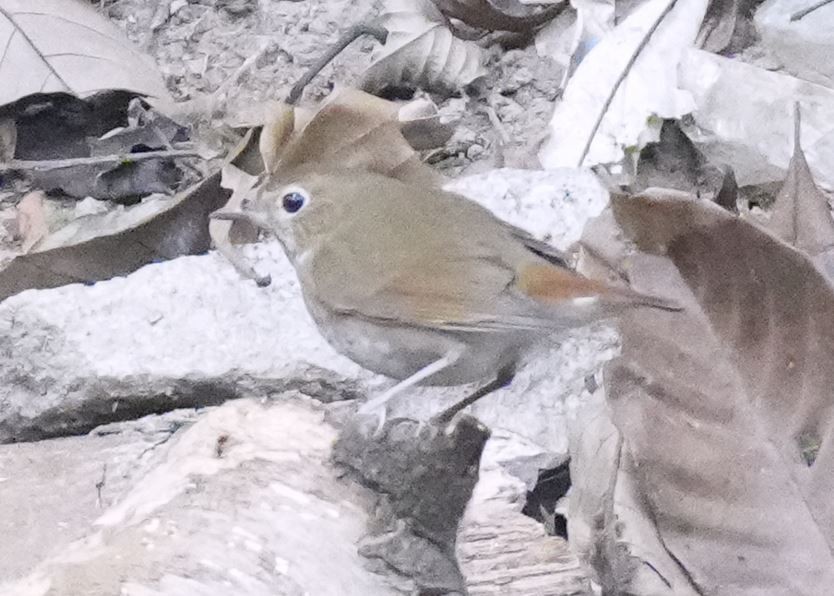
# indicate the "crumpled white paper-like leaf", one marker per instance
pixel 51 46
pixel 804 46
pixel 421 51
pixel 594 20
pixel 744 118
pixel 648 94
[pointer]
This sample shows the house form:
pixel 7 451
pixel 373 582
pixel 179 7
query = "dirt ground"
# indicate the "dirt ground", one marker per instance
pixel 204 43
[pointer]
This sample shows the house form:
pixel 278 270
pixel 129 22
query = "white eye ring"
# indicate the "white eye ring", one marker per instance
pixel 292 199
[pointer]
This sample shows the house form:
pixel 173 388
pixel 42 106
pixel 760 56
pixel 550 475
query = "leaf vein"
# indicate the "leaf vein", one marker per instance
pixel 19 29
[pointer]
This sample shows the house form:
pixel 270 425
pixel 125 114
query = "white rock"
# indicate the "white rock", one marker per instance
pixel 171 332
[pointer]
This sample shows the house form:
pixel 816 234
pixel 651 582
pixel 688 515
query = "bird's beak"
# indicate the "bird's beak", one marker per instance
pixel 256 219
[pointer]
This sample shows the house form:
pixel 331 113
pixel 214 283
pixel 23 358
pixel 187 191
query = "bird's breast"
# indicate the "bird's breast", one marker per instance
pixel 399 350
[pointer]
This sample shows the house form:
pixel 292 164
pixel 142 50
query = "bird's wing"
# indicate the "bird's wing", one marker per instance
pixel 470 286
pixel 420 264
pixel 494 299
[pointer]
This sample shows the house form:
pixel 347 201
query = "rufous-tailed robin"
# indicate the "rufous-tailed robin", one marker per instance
pixel 420 284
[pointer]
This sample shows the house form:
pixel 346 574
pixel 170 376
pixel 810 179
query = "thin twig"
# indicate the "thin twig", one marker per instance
pixel 806 11
pixel 57 164
pixel 377 31
pixel 622 77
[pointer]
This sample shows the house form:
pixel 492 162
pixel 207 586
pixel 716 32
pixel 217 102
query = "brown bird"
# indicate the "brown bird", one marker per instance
pixel 422 285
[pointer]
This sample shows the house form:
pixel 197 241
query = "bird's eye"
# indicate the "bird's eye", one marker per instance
pixel 293 201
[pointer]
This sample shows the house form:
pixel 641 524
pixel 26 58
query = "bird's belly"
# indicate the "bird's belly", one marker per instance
pixel 399 352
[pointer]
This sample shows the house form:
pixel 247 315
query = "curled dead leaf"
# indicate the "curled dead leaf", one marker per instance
pixel 624 87
pixel 353 129
pixel 421 51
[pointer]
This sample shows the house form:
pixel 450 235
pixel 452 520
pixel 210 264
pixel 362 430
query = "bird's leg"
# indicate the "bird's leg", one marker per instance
pixel 501 380
pixel 378 402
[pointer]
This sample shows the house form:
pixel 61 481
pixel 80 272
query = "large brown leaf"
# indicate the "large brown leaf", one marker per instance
pixel 422 52
pixel 65 45
pixel 725 409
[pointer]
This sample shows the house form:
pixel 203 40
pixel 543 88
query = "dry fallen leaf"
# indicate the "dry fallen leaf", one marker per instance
pixel 422 52
pixel 509 15
pixel 724 409
pixel 124 182
pixel 62 46
pixel 801 215
pixel 609 525
pixel 94 248
pixel 99 247
pixel 353 129
pixel 61 126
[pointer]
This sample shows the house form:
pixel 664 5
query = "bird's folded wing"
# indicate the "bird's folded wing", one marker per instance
pixel 467 295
